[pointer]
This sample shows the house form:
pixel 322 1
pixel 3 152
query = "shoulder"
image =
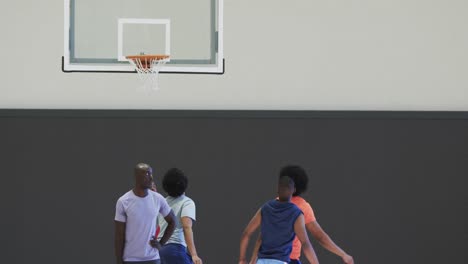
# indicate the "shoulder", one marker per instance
pixel 294 210
pixel 182 202
pixel 294 206
pixel 188 204
pixel 157 196
pixel 301 203
pixel 297 200
pixel 187 207
pixel 188 200
pixel 268 204
pixel 127 196
pixel 272 204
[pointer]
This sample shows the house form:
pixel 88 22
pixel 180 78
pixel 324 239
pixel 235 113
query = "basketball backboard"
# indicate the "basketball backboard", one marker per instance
pixel 99 34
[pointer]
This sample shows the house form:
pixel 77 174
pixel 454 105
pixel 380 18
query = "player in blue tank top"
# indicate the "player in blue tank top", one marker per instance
pixel 279 220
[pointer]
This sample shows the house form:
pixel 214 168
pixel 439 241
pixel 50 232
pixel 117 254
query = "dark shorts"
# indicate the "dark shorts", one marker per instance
pixel 174 254
pixel 156 261
pixel 294 261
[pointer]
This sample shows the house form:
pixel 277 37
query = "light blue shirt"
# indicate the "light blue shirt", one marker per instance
pixel 182 207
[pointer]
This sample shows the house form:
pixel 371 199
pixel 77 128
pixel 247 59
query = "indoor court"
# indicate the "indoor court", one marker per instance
pixel 369 97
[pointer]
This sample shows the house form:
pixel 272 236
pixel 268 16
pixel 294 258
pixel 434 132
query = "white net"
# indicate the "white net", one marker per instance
pixel 148 68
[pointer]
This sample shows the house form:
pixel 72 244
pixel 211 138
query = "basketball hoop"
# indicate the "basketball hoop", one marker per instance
pixel 147 67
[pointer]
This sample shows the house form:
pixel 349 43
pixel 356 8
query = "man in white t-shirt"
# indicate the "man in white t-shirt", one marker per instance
pixel 135 221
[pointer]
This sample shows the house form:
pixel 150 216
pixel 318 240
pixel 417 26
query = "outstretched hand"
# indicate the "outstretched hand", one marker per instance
pixel 347 259
pixel 196 260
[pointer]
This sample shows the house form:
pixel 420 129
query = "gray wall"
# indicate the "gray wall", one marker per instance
pixel 389 187
pixel 280 55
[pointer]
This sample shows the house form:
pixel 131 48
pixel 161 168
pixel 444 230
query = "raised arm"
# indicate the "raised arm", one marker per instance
pixel 188 235
pixel 248 231
pixel 119 241
pixel 299 229
pixel 325 241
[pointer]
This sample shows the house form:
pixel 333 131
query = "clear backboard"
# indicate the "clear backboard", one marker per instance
pixel 99 34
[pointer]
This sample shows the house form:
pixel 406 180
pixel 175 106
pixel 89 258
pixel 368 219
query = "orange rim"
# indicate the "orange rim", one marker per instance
pixel 148 57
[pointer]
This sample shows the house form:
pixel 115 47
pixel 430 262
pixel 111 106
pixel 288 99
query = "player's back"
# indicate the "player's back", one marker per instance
pixel 277 229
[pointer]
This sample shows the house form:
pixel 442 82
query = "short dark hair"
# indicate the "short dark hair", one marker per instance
pixel 298 175
pixel 285 181
pixel 175 182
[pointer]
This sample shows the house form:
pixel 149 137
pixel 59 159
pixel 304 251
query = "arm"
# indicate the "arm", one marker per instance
pixel 325 241
pixel 258 243
pixel 299 229
pixel 119 241
pixel 251 227
pixel 188 235
pixel 171 224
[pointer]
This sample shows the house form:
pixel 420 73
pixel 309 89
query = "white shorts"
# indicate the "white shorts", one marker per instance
pixel 270 261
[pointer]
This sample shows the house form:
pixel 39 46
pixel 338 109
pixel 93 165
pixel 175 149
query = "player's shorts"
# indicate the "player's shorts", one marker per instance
pixel 174 254
pixel 270 261
pixel 156 261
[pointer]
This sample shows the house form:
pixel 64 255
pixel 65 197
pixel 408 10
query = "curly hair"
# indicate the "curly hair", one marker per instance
pixel 175 182
pixel 298 175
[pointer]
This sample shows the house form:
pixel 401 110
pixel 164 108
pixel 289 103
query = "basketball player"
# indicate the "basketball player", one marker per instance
pixel 175 183
pixel 280 221
pixel 300 178
pixel 135 219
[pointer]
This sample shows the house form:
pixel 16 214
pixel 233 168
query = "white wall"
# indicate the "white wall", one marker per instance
pixel 299 54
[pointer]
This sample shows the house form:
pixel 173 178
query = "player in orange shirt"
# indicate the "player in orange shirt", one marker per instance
pixel 300 178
